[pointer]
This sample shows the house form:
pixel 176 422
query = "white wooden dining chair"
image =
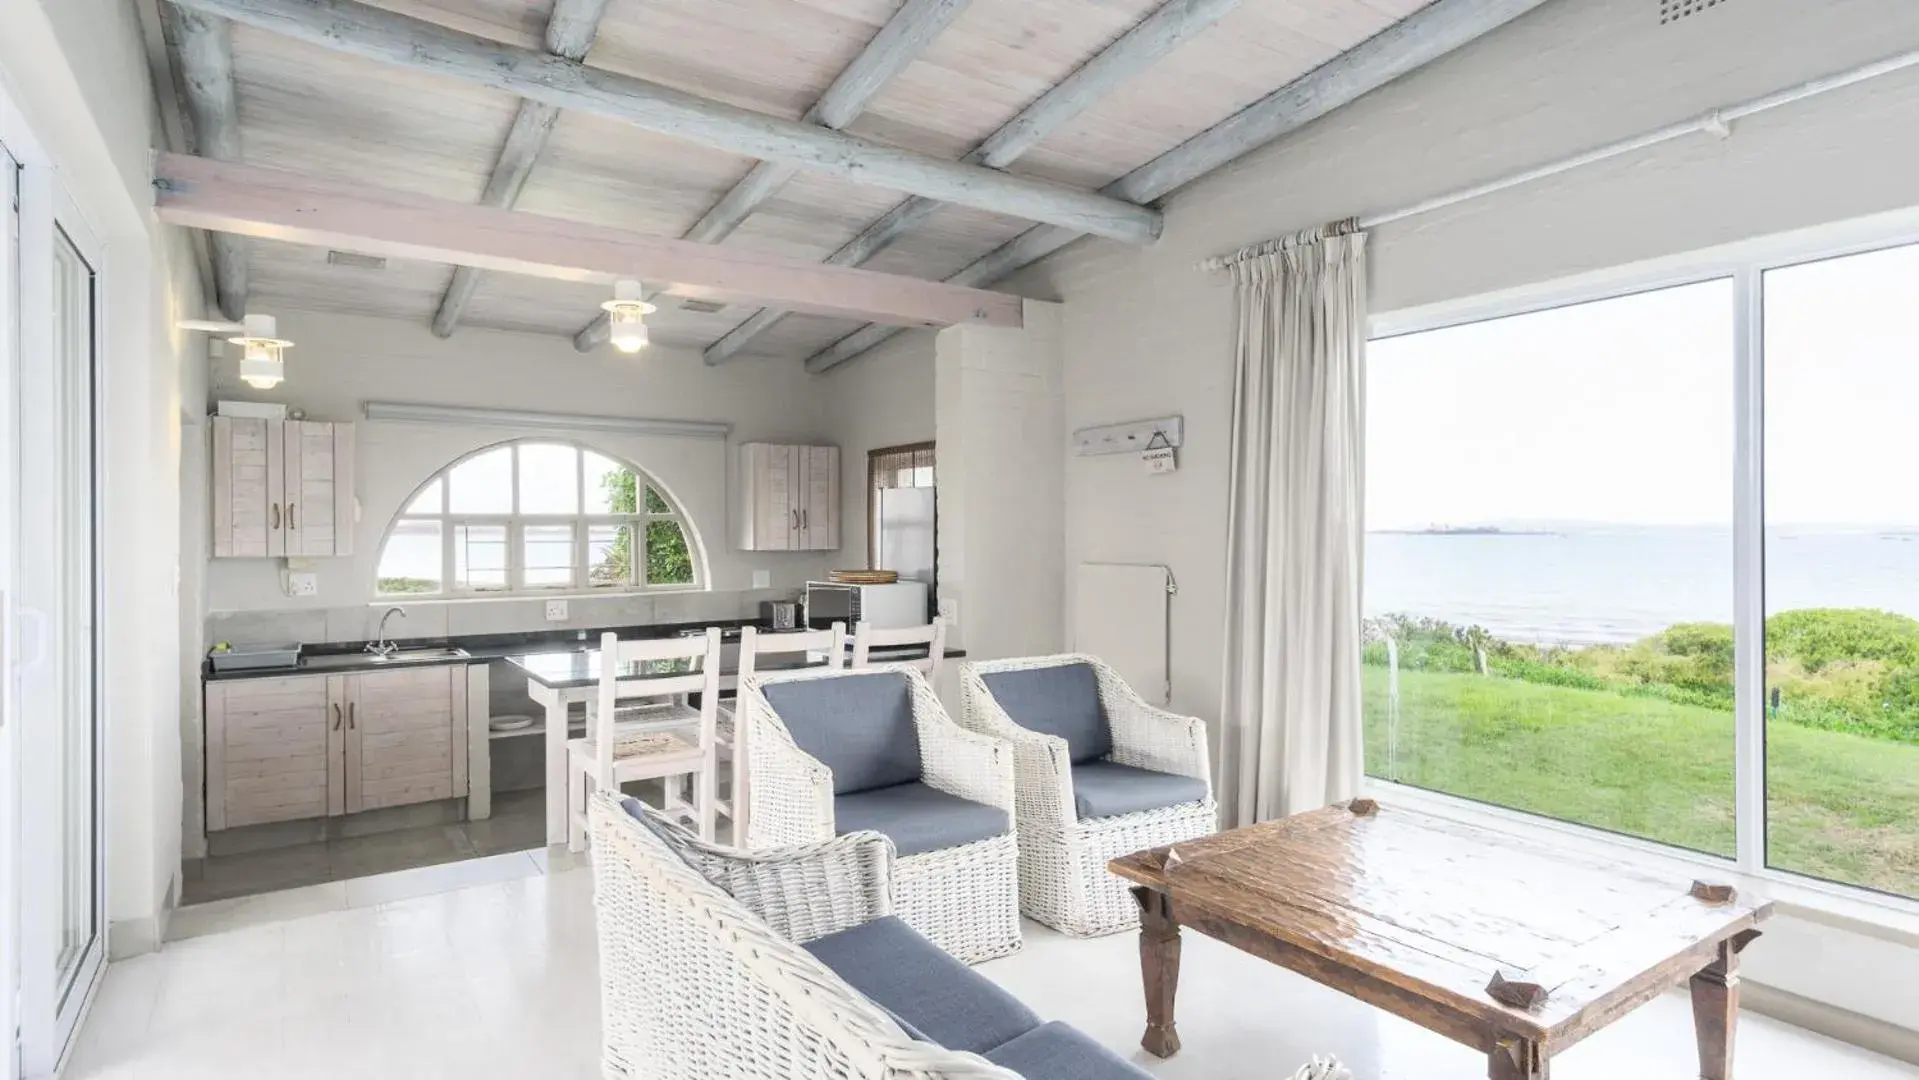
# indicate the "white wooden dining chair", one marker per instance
pixel 932 635
pixel 667 742
pixel 753 645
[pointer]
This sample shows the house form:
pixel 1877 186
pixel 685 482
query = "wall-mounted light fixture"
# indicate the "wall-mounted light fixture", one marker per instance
pixel 262 363
pixel 626 316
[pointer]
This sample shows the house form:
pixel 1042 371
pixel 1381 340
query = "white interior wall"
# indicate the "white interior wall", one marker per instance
pixel 76 70
pixel 340 362
pixel 1146 334
pixel 884 398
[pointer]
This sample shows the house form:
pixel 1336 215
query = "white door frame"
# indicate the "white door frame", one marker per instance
pixel 32 422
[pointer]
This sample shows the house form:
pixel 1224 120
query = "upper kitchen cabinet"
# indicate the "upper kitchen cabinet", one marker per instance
pixel 282 488
pixel 787 498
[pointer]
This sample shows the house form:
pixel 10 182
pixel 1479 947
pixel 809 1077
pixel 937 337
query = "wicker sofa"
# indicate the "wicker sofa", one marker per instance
pixel 1101 773
pixel 788 963
pixel 830 753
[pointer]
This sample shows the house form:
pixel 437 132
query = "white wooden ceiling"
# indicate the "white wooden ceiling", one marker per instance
pixel 330 115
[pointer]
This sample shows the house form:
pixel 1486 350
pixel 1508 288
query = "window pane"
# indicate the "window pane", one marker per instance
pixel 411 560
pixel 1842 571
pixel 482 484
pixel 547 554
pixel 430 500
pixel 609 555
pixel 609 486
pixel 668 561
pixel 549 479
pixel 1549 567
pixel 656 504
pixel 479 557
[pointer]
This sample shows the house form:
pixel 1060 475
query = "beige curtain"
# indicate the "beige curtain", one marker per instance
pixel 1290 727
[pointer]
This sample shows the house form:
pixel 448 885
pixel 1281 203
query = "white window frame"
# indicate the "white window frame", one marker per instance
pixel 1745 263
pixel 516 523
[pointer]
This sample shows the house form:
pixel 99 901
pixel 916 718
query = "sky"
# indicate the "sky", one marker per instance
pixel 1620 411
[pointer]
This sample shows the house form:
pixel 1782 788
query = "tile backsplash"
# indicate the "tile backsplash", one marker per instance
pixel 445 619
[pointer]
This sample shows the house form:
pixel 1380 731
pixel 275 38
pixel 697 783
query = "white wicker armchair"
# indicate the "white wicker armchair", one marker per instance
pixel 1064 882
pixel 697 983
pixel 964 898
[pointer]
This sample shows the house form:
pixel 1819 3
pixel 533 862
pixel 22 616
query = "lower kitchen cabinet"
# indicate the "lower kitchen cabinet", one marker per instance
pixel 311 746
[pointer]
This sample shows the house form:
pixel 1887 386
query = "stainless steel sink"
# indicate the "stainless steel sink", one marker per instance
pixel 400 658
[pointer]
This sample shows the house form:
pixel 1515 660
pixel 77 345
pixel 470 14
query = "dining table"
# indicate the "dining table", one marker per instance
pixel 557 680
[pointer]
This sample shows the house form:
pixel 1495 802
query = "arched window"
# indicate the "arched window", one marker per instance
pixel 533 517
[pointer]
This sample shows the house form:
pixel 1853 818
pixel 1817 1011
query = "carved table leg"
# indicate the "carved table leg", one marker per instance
pixel 1517 1059
pixel 1715 1009
pixel 1159 968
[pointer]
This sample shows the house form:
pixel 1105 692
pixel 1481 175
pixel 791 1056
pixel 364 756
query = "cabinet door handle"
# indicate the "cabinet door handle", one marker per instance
pixel 796 519
pixel 336 716
pixel 349 715
pixel 804 522
pixel 292 518
pixel 274 521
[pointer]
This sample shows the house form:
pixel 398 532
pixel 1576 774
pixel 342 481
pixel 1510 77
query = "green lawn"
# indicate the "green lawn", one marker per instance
pixel 1842 806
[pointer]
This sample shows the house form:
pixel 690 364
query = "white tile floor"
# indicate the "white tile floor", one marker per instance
pixel 497 979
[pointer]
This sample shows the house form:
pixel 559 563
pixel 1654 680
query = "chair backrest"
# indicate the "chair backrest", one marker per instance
pixel 932 635
pixel 687 665
pixel 859 724
pixel 753 643
pixel 1053 695
pixel 676 951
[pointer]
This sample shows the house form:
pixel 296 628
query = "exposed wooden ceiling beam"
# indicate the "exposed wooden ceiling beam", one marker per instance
pixel 202 51
pixel 1174 23
pixel 173 123
pixel 251 201
pixel 1415 41
pixel 373 34
pixel 570 31
pixel 907 34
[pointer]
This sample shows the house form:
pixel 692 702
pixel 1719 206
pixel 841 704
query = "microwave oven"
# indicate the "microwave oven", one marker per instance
pixel 883 607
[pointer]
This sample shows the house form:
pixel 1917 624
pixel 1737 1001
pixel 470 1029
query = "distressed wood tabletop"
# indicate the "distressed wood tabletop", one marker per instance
pixel 1488 938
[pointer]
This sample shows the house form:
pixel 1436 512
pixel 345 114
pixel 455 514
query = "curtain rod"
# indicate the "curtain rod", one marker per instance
pixel 1716 123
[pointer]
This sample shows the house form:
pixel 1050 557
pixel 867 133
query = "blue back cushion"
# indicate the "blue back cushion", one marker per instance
pixel 1062 701
pixel 859 726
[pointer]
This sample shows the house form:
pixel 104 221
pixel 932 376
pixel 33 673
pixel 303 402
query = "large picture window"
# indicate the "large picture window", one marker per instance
pixel 1646 563
pixel 536 517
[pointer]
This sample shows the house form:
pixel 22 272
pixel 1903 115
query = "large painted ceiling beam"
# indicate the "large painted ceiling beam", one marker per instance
pixel 202 52
pixel 1167 28
pixel 274 204
pixel 570 31
pixel 1415 41
pixel 907 34
pixel 370 33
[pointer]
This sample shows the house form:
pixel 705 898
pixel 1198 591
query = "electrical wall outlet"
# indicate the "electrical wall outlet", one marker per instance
pixel 303 583
pixel 762 579
pixel 949 611
pixel 556 611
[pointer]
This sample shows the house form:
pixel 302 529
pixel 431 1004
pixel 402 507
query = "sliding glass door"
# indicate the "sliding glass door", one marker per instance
pixel 1647 560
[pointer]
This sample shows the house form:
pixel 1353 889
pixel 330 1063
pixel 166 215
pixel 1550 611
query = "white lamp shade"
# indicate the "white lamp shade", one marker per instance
pixel 626 317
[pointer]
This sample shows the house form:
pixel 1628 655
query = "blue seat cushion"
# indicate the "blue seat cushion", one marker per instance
pixel 1057 1051
pixel 1062 701
pixel 918 818
pixel 933 995
pixel 1108 789
pixel 859 726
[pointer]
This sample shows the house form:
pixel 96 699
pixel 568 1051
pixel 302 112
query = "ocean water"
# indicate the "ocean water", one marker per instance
pixel 1593 585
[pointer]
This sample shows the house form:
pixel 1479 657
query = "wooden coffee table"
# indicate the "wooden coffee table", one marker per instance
pixel 1512 947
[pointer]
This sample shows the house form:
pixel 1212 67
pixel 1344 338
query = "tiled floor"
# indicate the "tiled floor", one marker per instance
pixel 498 980
pixel 518 824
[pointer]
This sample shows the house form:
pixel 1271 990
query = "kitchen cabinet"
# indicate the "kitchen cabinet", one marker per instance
pixel 787 498
pixel 309 746
pixel 282 488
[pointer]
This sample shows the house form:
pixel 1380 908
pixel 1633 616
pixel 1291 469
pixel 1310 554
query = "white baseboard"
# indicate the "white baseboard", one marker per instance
pixel 128 938
pixel 1831 1021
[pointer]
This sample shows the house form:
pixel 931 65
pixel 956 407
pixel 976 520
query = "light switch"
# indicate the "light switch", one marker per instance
pixel 556 611
pixel 762 579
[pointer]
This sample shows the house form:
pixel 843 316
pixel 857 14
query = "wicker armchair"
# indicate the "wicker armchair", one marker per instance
pixel 1063 851
pixel 956 884
pixel 701 970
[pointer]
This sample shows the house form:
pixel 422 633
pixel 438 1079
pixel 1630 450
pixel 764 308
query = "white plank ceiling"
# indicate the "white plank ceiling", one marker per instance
pixel 326 114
